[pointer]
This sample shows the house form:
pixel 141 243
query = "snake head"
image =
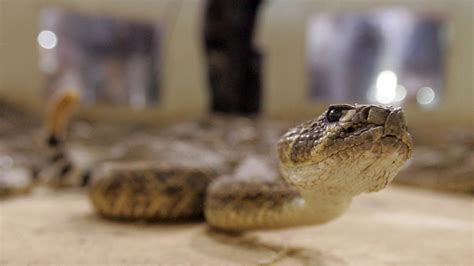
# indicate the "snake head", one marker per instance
pixel 348 149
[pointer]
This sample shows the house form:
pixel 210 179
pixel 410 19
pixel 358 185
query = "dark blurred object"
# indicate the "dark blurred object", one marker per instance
pixel 364 47
pixel 109 59
pixel 423 51
pixel 442 161
pixel 233 61
pixel 423 59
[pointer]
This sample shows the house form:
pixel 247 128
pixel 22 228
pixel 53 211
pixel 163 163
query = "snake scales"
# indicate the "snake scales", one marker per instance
pixel 324 163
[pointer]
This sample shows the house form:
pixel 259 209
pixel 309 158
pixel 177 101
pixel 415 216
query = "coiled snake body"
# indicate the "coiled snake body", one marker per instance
pixel 324 163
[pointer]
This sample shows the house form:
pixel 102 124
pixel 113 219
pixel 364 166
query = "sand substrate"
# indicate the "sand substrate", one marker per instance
pixel 398 226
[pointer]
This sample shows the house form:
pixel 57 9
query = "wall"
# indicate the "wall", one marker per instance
pixel 280 34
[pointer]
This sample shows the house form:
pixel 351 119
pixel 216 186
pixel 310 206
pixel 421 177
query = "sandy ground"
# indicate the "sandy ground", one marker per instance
pixel 399 226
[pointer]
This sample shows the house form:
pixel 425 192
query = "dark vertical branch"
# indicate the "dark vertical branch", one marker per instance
pixel 232 59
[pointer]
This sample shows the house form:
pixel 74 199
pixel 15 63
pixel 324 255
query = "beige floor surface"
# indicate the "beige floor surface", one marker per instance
pixel 398 226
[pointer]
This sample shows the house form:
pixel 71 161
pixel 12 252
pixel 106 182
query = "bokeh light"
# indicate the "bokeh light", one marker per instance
pixel 425 95
pixel 400 93
pixel 386 86
pixel 47 39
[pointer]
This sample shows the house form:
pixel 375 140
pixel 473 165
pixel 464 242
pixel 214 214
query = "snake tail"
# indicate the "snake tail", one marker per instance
pixel 61 171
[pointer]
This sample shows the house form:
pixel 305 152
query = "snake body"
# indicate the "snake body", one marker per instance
pixel 324 163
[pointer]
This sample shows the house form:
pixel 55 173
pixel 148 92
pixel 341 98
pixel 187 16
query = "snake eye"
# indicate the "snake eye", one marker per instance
pixel 334 115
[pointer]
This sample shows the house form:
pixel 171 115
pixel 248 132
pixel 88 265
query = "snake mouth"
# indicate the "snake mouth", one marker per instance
pixel 403 138
pixel 375 136
pixel 398 140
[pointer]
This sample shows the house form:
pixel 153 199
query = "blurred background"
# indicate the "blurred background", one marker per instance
pixel 152 64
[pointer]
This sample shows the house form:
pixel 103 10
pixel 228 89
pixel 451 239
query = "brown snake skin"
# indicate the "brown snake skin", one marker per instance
pixel 348 150
pixel 325 162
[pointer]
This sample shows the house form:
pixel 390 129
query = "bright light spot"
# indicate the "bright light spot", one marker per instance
pixel 386 86
pixel 47 39
pixel 425 95
pixel 400 93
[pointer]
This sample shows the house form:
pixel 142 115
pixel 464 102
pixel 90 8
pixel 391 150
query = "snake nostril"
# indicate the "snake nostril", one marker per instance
pixel 350 130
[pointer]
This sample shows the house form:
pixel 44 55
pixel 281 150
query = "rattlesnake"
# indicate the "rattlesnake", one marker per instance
pixel 324 163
